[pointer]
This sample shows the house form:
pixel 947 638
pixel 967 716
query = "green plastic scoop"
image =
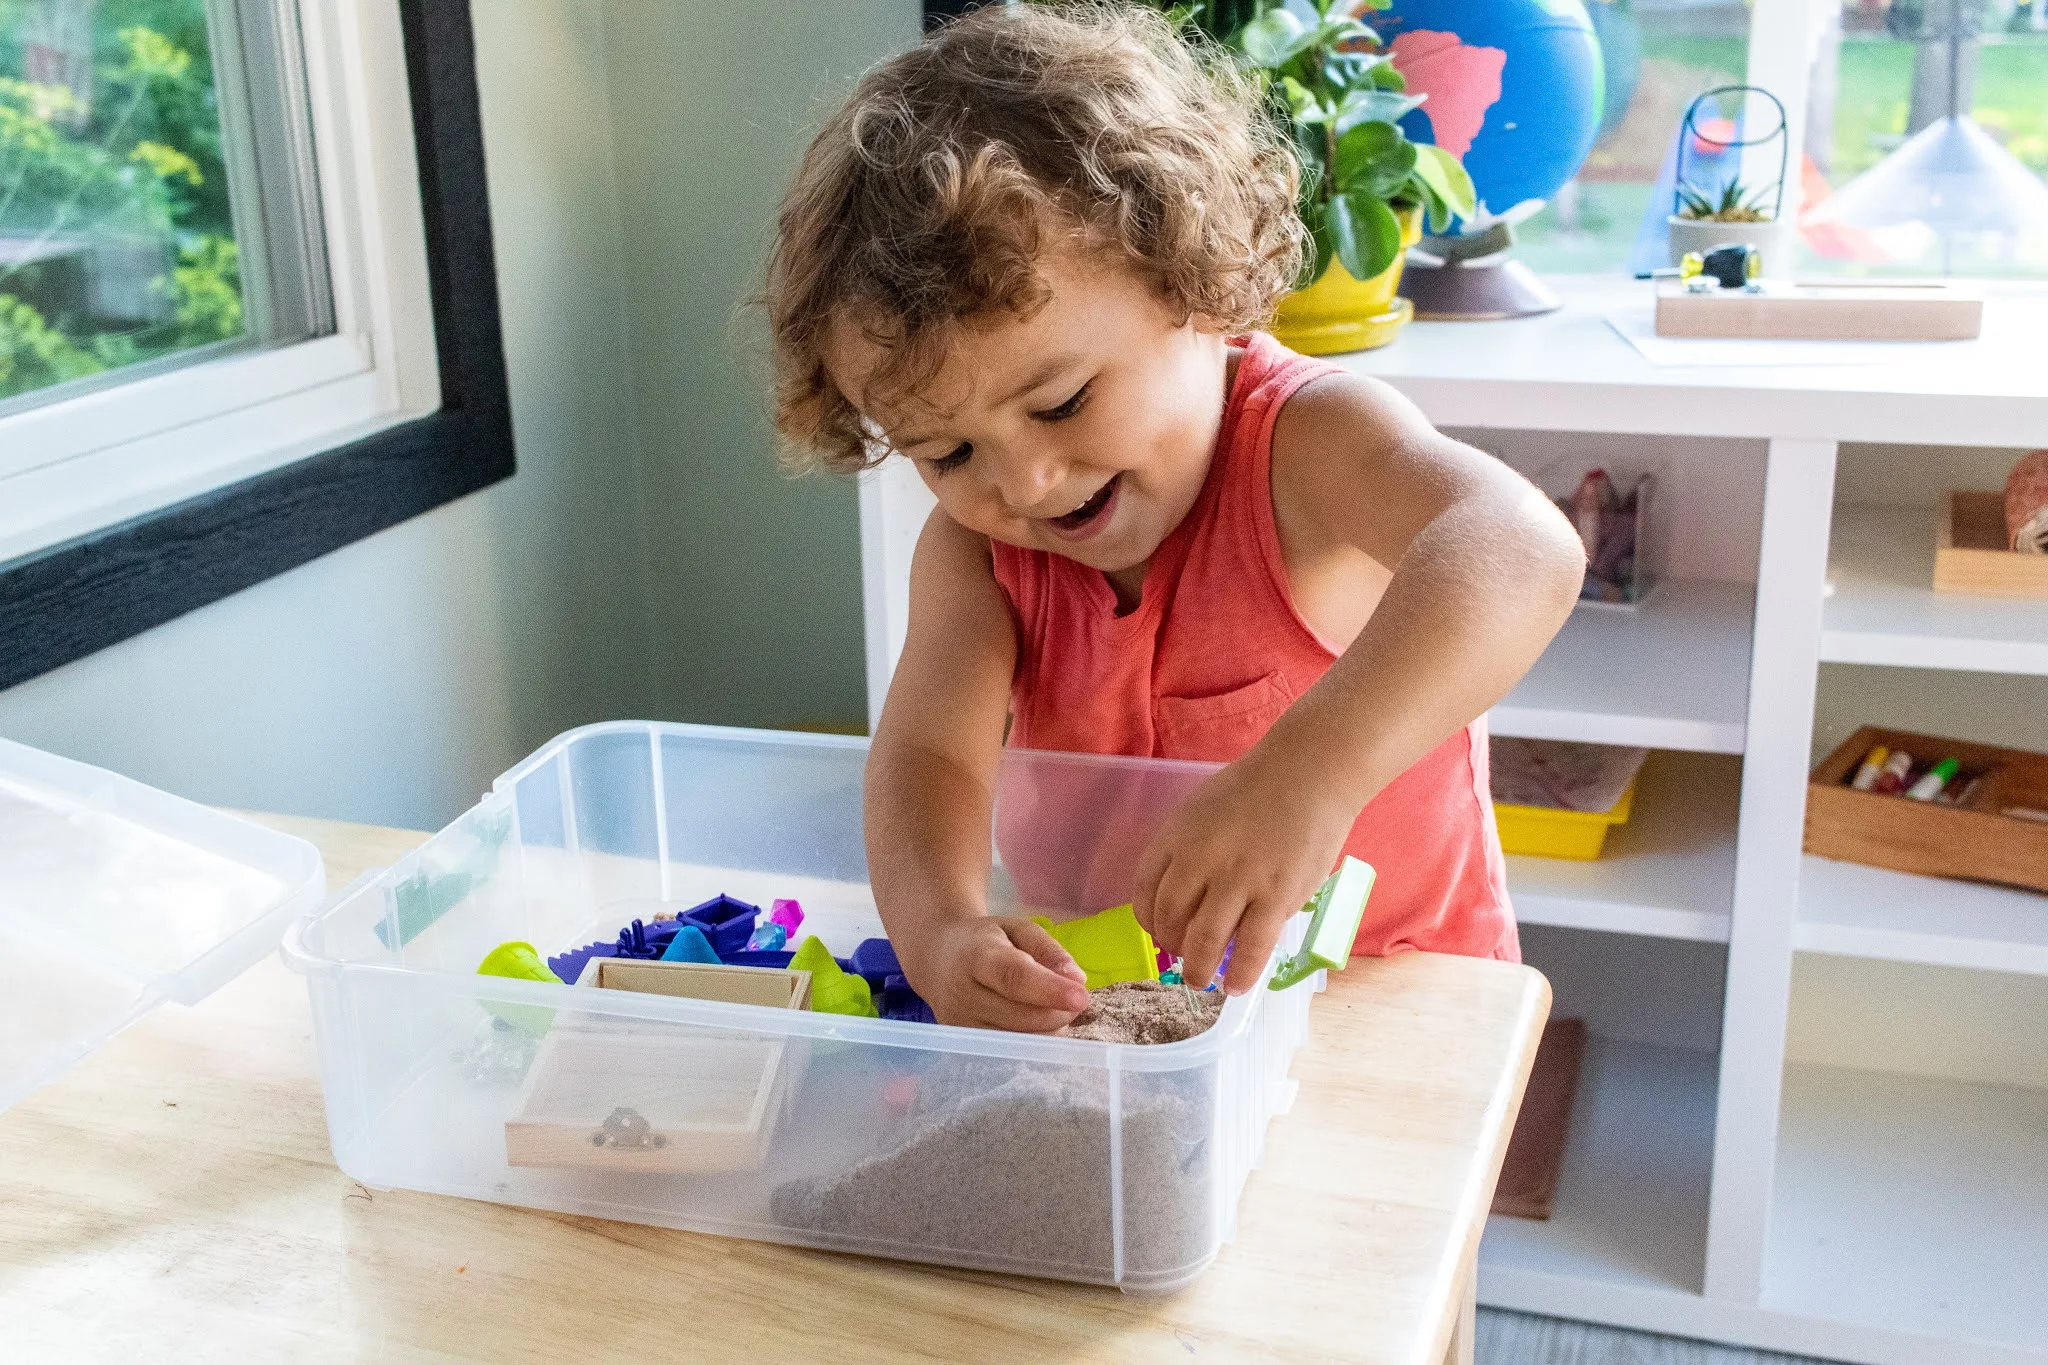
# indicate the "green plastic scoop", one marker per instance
pixel 1334 912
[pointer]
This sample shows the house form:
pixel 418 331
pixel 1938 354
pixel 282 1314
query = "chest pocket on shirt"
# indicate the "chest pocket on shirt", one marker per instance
pixel 1220 727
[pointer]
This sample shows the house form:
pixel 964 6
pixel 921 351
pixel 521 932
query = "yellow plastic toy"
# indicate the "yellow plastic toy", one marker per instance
pixel 1110 947
pixel 833 990
pixel 521 962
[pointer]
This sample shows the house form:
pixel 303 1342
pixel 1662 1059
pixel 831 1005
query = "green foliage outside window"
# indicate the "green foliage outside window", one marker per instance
pixel 118 187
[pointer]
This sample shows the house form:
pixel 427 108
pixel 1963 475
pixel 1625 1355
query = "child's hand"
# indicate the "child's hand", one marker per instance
pixel 1240 857
pixel 1000 971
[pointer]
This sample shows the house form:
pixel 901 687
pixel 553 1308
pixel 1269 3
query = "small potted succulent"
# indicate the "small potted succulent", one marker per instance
pixel 1365 187
pixel 1709 218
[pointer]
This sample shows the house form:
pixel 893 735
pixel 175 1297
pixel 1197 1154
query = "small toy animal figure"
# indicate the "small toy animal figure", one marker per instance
pixel 626 1128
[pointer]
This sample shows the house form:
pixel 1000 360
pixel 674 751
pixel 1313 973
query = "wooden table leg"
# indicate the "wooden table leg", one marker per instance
pixel 1462 1331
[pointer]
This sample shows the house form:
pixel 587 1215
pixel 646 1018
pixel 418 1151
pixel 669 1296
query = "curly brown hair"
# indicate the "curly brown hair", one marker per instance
pixel 923 202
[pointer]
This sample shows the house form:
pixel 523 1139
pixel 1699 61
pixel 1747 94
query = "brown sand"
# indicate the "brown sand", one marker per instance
pixel 1006 1165
pixel 1145 1012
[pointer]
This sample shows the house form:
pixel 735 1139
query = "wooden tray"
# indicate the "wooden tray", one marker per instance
pixel 1974 842
pixel 634 1095
pixel 1971 553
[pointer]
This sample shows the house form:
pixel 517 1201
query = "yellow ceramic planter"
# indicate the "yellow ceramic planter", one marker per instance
pixel 1339 313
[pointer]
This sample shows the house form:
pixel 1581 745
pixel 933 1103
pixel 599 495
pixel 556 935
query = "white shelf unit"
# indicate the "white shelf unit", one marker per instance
pixel 1631 1211
pixel 1668 873
pixel 1880 609
pixel 1671 674
pixel 1912 1206
pixel 1857 911
pixel 1717 1194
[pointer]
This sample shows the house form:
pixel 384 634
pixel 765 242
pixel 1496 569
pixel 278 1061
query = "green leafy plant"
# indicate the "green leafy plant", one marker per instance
pixel 1341 98
pixel 1734 203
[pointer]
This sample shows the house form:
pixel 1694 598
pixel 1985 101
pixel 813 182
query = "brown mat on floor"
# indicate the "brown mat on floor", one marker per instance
pixel 1528 1177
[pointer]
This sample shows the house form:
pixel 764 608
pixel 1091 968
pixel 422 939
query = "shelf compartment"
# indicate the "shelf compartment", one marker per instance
pixel 1672 674
pixel 1857 911
pixel 1669 872
pixel 1882 609
pixel 1912 1205
pixel 1631 1209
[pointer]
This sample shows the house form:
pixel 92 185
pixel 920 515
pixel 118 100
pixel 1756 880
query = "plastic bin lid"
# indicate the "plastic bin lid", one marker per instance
pixel 115 896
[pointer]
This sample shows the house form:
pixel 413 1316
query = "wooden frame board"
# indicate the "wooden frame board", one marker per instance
pixel 637 1095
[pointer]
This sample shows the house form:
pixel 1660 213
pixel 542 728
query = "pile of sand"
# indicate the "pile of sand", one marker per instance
pixel 1145 1012
pixel 1007 1165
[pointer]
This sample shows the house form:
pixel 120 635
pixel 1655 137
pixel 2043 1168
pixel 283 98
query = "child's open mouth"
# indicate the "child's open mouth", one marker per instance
pixel 1091 516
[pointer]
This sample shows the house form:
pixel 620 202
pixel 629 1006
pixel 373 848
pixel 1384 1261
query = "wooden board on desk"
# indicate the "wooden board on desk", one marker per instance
pixel 1972 555
pixel 1823 312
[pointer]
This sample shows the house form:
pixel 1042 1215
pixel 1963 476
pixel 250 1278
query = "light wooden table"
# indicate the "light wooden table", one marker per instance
pixel 174 1197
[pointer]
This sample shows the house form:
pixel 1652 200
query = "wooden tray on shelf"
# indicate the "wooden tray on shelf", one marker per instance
pixel 1974 842
pixel 1971 553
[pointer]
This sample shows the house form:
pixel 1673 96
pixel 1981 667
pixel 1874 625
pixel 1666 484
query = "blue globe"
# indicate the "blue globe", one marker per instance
pixel 1516 87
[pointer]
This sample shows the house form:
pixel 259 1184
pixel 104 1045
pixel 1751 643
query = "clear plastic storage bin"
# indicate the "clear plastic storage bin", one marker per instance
pixel 1036 1155
pixel 115 897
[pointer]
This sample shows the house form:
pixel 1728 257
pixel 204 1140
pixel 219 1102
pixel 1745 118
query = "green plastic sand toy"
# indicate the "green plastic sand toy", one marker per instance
pixel 833 990
pixel 521 962
pixel 1334 913
pixel 1111 947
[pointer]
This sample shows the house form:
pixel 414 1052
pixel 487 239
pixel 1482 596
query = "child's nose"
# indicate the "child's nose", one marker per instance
pixel 1026 480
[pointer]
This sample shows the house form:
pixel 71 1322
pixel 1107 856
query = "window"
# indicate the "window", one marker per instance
pixel 247 303
pixel 1860 77
pixel 1887 70
pixel 1657 56
pixel 132 177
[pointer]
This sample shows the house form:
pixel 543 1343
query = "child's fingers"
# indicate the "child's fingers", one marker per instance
pixel 1145 897
pixel 1173 909
pixel 1257 932
pixel 1206 936
pixel 1018 977
pixel 1044 948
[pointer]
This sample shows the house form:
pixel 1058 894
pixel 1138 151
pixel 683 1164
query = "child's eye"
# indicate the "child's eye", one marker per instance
pixel 1066 409
pixel 953 458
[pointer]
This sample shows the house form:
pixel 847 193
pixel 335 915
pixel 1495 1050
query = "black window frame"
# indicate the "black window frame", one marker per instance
pixel 68 600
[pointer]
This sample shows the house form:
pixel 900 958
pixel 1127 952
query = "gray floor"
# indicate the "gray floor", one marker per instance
pixel 1523 1339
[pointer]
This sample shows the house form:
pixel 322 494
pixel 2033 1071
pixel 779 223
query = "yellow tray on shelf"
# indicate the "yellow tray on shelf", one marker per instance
pixel 1545 833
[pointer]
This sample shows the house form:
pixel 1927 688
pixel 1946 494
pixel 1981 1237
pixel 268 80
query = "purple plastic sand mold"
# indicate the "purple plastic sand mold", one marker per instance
pixel 899 1001
pixel 635 941
pixel 876 960
pixel 570 965
pixel 727 922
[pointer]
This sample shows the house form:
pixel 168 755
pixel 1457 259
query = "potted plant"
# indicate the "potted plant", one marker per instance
pixel 1706 219
pixel 1365 187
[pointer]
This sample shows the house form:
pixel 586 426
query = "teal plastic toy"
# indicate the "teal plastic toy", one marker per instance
pixel 1334 912
pixel 689 945
pixel 521 962
pixel 833 990
pixel 1111 946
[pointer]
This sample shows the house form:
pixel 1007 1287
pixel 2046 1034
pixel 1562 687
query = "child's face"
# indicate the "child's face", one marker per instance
pixel 1086 430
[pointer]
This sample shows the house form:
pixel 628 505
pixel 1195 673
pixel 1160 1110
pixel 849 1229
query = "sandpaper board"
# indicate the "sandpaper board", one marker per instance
pixel 1528 1176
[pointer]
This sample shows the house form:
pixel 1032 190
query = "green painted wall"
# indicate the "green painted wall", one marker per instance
pixel 754 580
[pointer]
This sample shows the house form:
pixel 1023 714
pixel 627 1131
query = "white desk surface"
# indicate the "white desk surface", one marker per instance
pixel 1571 371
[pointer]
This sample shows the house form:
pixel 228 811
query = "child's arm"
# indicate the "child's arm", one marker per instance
pixel 1484 572
pixel 930 790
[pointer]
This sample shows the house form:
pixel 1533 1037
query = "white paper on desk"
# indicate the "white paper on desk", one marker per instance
pixel 1638 327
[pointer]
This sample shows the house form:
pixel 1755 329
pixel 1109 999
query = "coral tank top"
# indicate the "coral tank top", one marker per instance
pixel 1211 655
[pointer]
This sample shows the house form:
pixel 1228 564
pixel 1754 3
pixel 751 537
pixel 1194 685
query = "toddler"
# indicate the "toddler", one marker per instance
pixel 1030 256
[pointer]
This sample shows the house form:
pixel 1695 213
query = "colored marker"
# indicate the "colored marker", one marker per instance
pixel 1937 777
pixel 1893 778
pixel 1873 764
